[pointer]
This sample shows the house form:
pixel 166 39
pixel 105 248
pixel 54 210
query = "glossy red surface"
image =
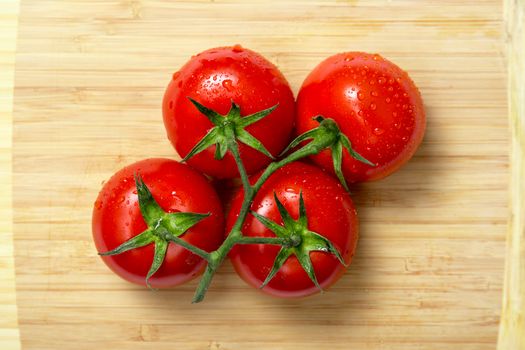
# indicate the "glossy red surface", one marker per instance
pixel 214 78
pixel 330 213
pixel 376 105
pixel 176 187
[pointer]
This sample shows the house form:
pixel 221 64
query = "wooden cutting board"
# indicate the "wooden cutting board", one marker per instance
pixel 430 264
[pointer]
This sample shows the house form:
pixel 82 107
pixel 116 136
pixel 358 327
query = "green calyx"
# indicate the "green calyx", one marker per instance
pixel 227 130
pixel 162 228
pixel 298 241
pixel 327 135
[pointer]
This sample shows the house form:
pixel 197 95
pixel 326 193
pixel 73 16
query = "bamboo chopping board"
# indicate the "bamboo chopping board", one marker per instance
pixel 429 269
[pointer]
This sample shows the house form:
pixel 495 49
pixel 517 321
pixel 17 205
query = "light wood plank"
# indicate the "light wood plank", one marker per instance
pixel 9 334
pixel 512 326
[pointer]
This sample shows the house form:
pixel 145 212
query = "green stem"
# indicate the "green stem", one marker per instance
pixel 234 149
pixel 277 165
pixel 195 250
pixel 235 236
pixel 216 259
pixel 264 240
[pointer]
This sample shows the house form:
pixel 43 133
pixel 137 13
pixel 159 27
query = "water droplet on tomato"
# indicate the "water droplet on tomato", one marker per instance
pixel 349 58
pixel 372 82
pixel 237 48
pixel 390 89
pixel 388 100
pixel 173 193
pixel 373 106
pixel 374 93
pixel 405 106
pixel 175 75
pixel 405 94
pixel 381 80
pixel 378 131
pixel 404 138
pixel 394 114
pixel 360 113
pixel 391 81
pixel 360 96
pixel 376 57
pixel 397 125
pixel 227 84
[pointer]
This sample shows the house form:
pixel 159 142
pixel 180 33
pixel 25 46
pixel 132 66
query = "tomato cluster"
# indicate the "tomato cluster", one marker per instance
pixel 291 228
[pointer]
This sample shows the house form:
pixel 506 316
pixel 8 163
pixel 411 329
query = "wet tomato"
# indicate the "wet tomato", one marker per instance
pixel 329 213
pixel 177 188
pixel 215 78
pixel 376 105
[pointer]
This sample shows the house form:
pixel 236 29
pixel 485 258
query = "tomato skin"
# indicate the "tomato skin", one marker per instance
pixel 376 105
pixel 214 78
pixel 176 187
pixel 330 212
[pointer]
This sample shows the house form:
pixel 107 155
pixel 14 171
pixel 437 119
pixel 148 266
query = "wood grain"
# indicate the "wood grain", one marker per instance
pixel 429 269
pixel 512 325
pixel 9 335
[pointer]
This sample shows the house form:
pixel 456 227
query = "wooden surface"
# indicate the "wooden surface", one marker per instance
pixel 430 264
pixel 9 335
pixel 512 325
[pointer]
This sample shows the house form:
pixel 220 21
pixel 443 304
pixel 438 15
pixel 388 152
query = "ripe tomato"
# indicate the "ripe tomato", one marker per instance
pixel 215 78
pixel 176 188
pixel 376 105
pixel 330 213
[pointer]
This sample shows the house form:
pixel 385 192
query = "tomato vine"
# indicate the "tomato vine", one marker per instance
pixel 228 131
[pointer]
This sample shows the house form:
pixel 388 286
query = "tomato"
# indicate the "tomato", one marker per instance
pixel 215 78
pixel 176 188
pixel 376 105
pixel 330 213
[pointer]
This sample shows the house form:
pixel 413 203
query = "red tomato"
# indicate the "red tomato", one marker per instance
pixel 215 78
pixel 177 188
pixel 376 105
pixel 330 213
